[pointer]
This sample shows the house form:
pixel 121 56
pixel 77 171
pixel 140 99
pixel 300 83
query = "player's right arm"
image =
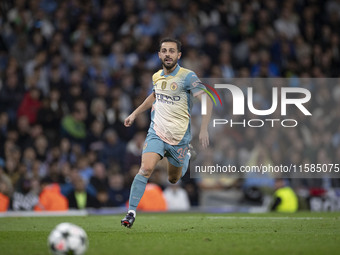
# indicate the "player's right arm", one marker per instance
pixel 147 104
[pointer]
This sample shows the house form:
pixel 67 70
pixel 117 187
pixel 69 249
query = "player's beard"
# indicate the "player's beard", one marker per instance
pixel 169 66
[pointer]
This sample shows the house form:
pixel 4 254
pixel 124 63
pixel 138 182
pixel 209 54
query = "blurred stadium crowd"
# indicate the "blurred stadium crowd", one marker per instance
pixel 71 72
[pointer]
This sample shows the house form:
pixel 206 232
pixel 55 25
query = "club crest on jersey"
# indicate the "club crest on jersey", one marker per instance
pixel 173 86
pixel 163 85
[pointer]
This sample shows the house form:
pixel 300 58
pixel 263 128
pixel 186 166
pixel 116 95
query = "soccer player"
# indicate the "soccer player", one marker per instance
pixel 169 134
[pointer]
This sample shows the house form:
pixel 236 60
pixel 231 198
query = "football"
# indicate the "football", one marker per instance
pixel 67 238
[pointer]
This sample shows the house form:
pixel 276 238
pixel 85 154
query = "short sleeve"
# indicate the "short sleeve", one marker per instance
pixel 194 84
pixel 153 83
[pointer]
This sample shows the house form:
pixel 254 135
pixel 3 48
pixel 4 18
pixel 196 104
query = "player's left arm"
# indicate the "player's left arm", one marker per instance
pixel 204 135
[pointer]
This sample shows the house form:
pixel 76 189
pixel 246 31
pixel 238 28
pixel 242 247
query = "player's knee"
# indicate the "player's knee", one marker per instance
pixel 145 171
pixel 173 180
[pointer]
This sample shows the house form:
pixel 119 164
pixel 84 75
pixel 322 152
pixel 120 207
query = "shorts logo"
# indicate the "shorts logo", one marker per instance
pixel 173 86
pixel 145 145
pixel 163 85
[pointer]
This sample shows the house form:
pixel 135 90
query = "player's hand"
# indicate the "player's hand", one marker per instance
pixel 129 120
pixel 204 138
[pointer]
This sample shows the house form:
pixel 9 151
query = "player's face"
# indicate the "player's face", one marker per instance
pixel 169 55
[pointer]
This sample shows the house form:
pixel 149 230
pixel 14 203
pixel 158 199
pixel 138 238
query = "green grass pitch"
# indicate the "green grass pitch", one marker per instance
pixel 188 233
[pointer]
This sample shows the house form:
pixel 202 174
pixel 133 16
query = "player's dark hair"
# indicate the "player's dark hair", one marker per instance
pixel 168 39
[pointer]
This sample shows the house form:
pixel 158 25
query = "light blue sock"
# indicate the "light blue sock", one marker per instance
pixel 137 191
pixel 186 164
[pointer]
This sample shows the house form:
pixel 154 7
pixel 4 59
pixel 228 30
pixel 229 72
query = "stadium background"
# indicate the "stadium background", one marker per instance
pixel 71 71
